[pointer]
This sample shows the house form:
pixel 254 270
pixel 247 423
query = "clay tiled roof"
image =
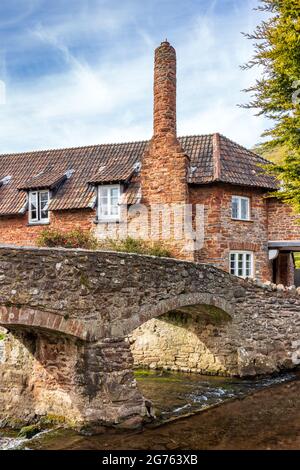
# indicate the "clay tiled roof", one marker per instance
pixel 48 179
pixel 116 171
pixel 240 166
pixel 212 158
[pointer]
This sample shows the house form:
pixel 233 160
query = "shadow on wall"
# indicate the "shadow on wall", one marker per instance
pixel 188 339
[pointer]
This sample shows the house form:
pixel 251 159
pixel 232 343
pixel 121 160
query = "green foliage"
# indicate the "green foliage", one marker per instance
pixel 159 375
pixel 51 420
pixel 29 431
pixel 83 239
pixel 277 93
pixel 297 260
pixel 86 240
pixel 68 239
pixel 2 336
pixel 275 155
pixel 133 245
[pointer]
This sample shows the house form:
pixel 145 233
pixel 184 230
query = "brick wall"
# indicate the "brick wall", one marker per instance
pixel 282 221
pixel 222 234
pixel 16 230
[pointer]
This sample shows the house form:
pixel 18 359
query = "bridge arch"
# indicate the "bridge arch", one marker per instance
pixel 159 308
pixel 187 333
pixel 23 318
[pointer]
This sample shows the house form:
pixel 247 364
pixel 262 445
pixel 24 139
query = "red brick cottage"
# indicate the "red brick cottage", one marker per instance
pixel 88 187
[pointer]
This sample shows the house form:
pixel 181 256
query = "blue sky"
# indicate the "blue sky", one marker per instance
pixel 79 72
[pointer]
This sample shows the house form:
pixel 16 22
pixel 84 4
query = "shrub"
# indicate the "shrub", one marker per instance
pixel 83 239
pixel 75 238
pixel 133 245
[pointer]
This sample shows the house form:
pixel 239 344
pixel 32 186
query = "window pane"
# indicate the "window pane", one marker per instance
pixel 103 202
pixel 114 201
pixel 240 264
pixel 235 208
pixel 232 263
pixel 33 200
pixel 248 265
pixel 104 208
pixel 33 206
pixel 44 196
pixel 44 214
pixel 44 200
pixel 115 193
pixel 244 208
pixel 114 210
pixel 103 193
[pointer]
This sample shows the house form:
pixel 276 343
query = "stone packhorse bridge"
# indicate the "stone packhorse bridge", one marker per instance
pixel 72 315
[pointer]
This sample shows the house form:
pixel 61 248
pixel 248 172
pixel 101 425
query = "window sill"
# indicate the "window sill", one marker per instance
pixel 34 224
pixel 242 220
pixel 106 221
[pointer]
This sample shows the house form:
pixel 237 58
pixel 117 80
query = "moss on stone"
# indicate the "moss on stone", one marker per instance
pixel 159 375
pixel 51 419
pixel 201 313
pixel 29 431
pixel 84 280
pixel 216 314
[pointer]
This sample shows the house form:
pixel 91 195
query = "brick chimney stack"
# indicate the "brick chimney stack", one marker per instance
pixel 165 90
pixel 164 166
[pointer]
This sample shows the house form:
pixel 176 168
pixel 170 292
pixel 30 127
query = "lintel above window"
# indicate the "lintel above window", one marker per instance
pixel 108 209
pixel 38 206
pixel 240 208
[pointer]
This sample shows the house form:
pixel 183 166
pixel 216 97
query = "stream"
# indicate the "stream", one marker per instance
pixel 174 396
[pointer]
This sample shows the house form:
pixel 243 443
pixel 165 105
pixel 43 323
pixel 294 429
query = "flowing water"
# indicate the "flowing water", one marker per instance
pixel 174 396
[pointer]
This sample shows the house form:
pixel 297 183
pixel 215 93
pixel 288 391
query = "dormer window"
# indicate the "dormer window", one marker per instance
pixel 38 207
pixel 109 202
pixel 240 208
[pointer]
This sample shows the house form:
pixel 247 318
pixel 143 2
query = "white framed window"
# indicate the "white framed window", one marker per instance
pixel 38 206
pixel 241 263
pixel 240 208
pixel 109 202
